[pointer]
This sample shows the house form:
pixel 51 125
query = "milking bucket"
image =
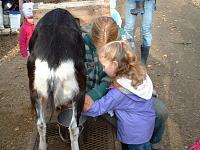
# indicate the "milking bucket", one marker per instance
pixel 64 119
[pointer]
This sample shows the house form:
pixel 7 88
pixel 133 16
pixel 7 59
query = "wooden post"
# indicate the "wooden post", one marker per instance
pixel 20 10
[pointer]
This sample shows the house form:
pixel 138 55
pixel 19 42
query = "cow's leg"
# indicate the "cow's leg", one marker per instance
pixel 77 105
pixel 73 129
pixel 41 124
pixel 31 69
pixel 81 79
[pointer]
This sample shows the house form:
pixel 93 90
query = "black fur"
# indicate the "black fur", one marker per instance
pixel 56 38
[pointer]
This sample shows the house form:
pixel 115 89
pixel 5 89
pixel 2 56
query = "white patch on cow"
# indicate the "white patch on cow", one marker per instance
pixel 66 86
pixel 42 75
pixel 62 80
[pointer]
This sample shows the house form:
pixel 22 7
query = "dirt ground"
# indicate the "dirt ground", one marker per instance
pixel 174 67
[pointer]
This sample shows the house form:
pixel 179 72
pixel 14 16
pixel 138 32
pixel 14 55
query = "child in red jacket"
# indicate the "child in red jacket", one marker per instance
pixel 26 29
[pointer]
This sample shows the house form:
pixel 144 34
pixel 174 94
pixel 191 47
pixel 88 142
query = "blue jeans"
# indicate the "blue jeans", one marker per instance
pixel 146 25
pixel 160 122
pixel 145 146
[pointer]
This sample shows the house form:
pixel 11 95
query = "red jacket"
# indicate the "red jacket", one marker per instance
pixel 195 145
pixel 25 35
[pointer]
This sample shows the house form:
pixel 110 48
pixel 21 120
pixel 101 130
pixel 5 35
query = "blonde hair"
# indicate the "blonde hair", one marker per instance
pixel 104 30
pixel 128 65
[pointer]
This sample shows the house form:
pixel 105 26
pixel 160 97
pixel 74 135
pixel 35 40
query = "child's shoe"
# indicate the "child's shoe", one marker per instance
pixel 155 94
pixel 139 9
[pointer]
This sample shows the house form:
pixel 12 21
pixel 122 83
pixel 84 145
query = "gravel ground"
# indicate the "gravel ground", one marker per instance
pixel 174 67
pixel 9 46
pixel 196 2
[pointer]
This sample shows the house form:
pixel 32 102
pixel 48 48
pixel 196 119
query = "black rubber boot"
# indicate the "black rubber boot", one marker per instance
pixel 139 9
pixel 144 54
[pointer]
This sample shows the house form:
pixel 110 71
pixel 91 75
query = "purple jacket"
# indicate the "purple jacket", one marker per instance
pixel 135 115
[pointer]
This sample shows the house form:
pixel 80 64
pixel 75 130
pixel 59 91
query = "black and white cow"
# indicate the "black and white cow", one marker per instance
pixel 56 69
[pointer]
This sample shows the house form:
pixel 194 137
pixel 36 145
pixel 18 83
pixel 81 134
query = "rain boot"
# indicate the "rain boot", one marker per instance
pixel 144 54
pixel 139 9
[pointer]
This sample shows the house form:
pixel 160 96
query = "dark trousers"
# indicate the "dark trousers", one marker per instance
pixel 145 146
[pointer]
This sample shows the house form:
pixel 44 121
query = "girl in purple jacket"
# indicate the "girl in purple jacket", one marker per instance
pixel 130 96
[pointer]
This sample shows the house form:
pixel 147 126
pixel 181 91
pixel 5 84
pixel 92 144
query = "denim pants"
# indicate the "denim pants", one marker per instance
pixel 146 25
pixel 160 122
pixel 145 146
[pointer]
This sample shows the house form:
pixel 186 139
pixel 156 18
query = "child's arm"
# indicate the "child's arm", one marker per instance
pixel 88 103
pixel 107 103
pixel 101 89
pixel 98 91
pixel 22 43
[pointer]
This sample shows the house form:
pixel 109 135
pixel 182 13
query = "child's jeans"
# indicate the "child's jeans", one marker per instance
pixel 145 146
pixel 160 122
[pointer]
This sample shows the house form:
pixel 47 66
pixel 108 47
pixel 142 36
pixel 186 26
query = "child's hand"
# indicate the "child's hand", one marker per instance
pixel 88 103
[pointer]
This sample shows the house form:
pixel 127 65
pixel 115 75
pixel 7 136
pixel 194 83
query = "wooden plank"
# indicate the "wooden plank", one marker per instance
pixel 86 11
pixel 65 5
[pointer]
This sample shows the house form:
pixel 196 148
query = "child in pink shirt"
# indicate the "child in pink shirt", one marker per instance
pixel 26 29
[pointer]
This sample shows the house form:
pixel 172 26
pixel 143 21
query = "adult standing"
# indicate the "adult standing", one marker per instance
pixel 146 26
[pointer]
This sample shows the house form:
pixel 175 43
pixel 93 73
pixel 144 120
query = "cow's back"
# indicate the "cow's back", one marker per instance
pixel 58 37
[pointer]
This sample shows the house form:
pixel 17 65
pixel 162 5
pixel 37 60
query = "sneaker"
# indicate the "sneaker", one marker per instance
pixel 155 94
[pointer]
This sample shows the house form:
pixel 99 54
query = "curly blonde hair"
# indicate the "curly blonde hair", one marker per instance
pixel 128 64
pixel 104 30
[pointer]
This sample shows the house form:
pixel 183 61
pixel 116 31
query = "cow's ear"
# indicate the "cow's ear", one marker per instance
pixel 78 21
